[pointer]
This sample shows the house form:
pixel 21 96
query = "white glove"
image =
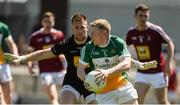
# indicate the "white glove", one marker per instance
pixel 145 65
pixel 9 58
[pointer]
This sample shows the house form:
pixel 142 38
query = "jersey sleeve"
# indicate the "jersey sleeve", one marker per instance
pixel 31 42
pixel 128 38
pixel 6 32
pixel 164 38
pixel 85 55
pixel 60 48
pixel 122 48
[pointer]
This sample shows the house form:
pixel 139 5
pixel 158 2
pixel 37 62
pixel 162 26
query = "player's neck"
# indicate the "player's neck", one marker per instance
pixel 142 27
pixel 79 42
pixel 46 30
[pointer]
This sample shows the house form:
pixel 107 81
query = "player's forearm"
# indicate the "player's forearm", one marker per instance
pixel 170 52
pixel 134 63
pixel 81 73
pixel 13 49
pixel 123 66
pixel 39 55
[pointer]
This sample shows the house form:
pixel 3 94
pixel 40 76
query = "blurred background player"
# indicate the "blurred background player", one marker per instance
pixel 51 70
pixel 5 73
pixel 147 38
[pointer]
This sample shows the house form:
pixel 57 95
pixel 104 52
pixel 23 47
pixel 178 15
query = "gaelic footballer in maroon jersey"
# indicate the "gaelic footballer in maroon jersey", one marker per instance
pixel 148 45
pixel 53 69
pixel 39 41
pixel 147 39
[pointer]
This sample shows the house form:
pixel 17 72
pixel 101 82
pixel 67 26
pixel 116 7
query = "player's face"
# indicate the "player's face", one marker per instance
pixel 48 22
pixel 80 29
pixel 142 17
pixel 96 35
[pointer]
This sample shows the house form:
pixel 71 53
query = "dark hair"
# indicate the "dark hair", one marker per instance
pixel 141 7
pixel 48 14
pixel 78 17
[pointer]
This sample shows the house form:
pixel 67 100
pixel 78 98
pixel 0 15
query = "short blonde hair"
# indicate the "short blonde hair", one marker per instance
pixel 101 24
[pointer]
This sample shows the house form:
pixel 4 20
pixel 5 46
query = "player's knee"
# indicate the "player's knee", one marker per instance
pixel 140 100
pixel 68 98
pixel 162 101
pixel 53 96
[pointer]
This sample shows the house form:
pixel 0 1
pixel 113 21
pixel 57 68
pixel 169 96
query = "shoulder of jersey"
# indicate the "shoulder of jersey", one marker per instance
pixel 116 38
pixel 3 25
pixel 36 33
pixel 131 29
pixel 155 27
pixel 57 32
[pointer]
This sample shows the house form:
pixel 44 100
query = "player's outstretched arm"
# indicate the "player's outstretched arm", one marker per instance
pixel 35 56
pixel 143 65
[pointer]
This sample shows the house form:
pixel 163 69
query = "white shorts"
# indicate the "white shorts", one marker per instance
pixel 79 97
pixel 5 73
pixel 53 78
pixel 157 80
pixel 119 96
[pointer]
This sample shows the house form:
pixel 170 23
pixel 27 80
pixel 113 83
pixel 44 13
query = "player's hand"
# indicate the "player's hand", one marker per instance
pixel 101 76
pixel 20 59
pixel 9 58
pixel 147 65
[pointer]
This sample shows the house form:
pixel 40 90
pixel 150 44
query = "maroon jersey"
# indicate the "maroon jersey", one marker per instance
pixel 39 41
pixel 148 45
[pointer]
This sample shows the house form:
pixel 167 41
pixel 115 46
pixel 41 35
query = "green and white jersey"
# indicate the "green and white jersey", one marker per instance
pixel 4 33
pixel 104 57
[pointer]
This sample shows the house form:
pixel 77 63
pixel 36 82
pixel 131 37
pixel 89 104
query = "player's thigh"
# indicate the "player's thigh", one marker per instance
pixel 59 77
pixel 6 78
pixel 142 84
pixel 51 90
pixel 159 80
pixel 48 84
pixel 69 95
pixel 123 94
pixel 142 89
pixel 127 94
pixel 5 73
pixel 46 78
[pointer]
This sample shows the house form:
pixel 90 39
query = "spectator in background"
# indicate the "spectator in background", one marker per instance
pixel 51 70
pixel 5 73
